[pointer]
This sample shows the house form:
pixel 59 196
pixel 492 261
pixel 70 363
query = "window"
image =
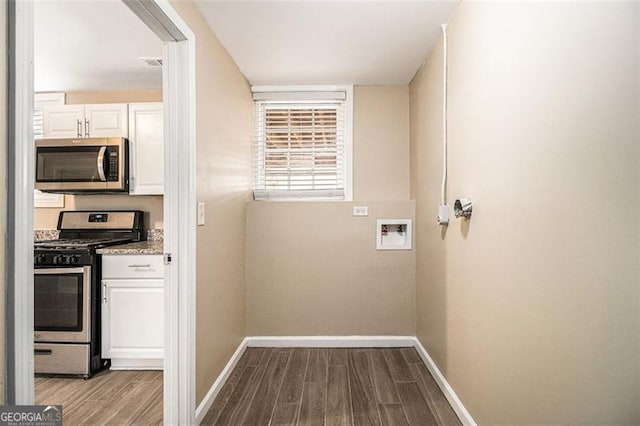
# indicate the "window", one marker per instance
pixel 302 146
pixel 38 126
pixel 40 101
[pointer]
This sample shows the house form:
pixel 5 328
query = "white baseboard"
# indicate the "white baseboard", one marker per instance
pixel 335 342
pixel 331 341
pixel 446 389
pixel 136 364
pixel 208 399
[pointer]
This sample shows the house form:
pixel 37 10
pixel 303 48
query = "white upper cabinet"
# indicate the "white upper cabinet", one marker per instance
pixel 141 123
pixel 106 120
pixel 63 121
pixel 146 147
pixel 84 121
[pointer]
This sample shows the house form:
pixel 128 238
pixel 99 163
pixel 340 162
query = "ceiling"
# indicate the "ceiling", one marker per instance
pixel 92 45
pixel 327 42
pixel 97 45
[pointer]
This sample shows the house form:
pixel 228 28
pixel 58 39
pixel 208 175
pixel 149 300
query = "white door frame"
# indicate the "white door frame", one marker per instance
pixel 179 205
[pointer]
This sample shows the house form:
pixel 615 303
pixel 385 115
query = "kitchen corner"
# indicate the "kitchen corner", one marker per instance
pixel 83 151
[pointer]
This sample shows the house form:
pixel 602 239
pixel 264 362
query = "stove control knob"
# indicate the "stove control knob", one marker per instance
pixel 40 258
pixel 74 259
pixel 60 259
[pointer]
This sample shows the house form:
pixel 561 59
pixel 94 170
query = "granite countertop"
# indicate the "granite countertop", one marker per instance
pixel 153 245
pixel 141 247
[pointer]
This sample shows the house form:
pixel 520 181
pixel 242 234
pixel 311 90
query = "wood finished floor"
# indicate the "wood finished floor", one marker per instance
pixel 275 386
pixel 109 397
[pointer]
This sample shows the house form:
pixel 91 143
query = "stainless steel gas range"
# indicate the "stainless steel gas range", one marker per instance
pixel 67 288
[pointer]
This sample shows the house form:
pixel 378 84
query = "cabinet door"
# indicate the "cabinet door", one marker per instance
pixel 146 147
pixel 105 120
pixel 133 323
pixel 63 121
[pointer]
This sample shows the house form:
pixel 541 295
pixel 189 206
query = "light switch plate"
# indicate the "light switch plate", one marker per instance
pixel 200 214
pixel 360 210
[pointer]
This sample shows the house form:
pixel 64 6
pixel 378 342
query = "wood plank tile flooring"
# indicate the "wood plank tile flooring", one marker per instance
pixel 109 397
pixel 332 387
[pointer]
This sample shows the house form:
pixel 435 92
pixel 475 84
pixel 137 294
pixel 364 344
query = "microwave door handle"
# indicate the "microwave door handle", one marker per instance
pixel 100 163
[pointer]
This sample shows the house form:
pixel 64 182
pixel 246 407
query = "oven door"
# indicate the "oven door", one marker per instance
pixel 77 165
pixel 62 303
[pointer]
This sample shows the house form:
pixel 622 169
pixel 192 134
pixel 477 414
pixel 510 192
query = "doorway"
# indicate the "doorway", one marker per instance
pixel 179 205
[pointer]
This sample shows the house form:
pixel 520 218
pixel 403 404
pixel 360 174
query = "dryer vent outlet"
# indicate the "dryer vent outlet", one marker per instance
pixel 463 208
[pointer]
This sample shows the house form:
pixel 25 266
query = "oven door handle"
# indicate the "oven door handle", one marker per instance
pixel 100 163
pixel 59 271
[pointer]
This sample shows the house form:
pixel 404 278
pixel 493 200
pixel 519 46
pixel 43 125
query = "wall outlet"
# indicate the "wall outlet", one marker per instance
pixel 201 214
pixel 360 210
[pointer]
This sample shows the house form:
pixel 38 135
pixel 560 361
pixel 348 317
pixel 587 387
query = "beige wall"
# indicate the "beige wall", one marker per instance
pixel 3 196
pixel 532 309
pixel 113 96
pixel 381 148
pixel 312 268
pixel 224 119
pixel 47 218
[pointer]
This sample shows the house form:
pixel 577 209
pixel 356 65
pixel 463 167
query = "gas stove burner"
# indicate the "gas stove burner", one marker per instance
pixel 71 243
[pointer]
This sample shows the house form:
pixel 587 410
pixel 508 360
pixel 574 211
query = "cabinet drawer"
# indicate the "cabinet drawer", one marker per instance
pixel 132 266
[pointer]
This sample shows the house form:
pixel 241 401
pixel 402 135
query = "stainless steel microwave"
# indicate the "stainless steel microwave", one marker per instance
pixel 83 165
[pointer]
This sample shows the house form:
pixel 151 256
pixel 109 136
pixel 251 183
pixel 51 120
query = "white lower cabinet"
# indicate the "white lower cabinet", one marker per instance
pixel 133 311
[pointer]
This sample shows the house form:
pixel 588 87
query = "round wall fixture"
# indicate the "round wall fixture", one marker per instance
pixel 463 208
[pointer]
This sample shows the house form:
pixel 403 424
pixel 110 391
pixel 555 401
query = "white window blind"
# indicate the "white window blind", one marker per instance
pixel 38 126
pixel 40 101
pixel 299 148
